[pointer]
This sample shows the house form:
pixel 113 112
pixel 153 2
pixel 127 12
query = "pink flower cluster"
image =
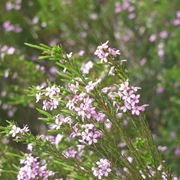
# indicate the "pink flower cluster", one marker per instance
pixel 176 21
pixel 127 5
pixel 102 169
pixel 51 94
pixel 162 35
pixel 89 134
pixel 70 153
pixel 82 104
pixel 104 52
pixel 74 153
pixel 6 50
pixel 128 94
pixel 161 50
pixel 16 5
pixel 17 132
pixel 32 169
pixel 8 27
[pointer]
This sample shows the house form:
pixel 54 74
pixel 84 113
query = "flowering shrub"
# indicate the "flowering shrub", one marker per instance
pixel 87 136
pixel 147 33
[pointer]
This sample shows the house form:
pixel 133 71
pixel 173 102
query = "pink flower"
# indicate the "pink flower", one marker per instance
pixel 11 50
pixel 9 6
pixel 131 9
pixel 125 122
pixel 163 34
pixel 118 7
pixel 178 14
pixel 8 26
pixel 176 22
pixel 131 16
pixel 81 53
pixel 122 145
pixel 16 5
pixel 153 38
pixel 161 50
pixel 113 51
pixel 143 61
pixel 99 116
pixel 162 148
pixel 101 55
pixel 160 89
pixel 75 132
pixel 177 151
pixel 126 5
pixel 53 70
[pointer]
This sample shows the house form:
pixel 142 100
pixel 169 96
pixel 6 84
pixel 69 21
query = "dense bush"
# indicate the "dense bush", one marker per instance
pixel 146 32
pixel 95 125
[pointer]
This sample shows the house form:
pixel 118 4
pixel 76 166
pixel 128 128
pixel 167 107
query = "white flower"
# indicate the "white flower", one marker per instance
pixel 69 55
pixel 104 45
pixel 18 132
pixel 85 68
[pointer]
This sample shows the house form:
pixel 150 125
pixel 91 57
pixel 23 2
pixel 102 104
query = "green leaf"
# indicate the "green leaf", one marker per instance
pixel 44 113
pixel 35 46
